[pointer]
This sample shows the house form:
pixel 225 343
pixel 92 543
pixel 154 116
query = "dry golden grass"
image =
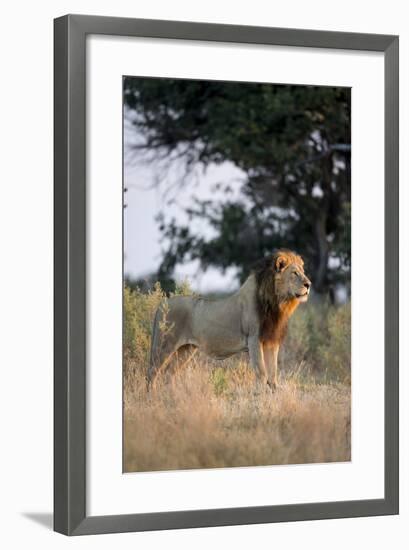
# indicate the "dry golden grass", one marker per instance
pixel 212 417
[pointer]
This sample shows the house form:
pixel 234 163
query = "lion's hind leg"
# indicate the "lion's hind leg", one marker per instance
pixel 180 359
pixel 160 359
pixel 173 359
pixel 167 338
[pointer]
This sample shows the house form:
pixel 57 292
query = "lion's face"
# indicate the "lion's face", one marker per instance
pixel 290 279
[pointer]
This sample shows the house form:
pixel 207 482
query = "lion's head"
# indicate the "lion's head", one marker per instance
pixel 290 279
pixel 281 286
pixel 282 276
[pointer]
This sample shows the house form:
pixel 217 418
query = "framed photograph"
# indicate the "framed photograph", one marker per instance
pixel 226 275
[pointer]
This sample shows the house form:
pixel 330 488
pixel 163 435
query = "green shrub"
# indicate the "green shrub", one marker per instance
pixel 139 313
pixel 319 342
pixel 335 352
pixel 218 378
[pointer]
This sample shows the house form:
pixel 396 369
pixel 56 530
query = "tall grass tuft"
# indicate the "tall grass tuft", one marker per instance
pixel 139 313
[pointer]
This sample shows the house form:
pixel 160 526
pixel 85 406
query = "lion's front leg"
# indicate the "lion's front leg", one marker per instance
pixel 271 362
pixel 257 359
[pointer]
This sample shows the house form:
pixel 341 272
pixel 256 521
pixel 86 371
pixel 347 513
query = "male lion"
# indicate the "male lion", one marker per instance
pixel 254 319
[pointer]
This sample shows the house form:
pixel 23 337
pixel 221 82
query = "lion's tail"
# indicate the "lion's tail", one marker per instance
pixel 153 359
pixel 154 339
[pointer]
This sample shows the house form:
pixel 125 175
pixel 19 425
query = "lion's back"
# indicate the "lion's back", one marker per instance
pixel 216 326
pixel 181 313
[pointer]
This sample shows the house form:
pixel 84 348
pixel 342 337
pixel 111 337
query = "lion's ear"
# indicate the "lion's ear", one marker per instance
pixel 280 263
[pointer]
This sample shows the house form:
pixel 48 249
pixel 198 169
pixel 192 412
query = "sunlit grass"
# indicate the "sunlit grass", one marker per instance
pixel 212 414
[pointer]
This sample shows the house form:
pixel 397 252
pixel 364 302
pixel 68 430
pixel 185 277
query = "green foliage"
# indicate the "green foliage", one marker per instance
pixel 319 343
pixel 182 288
pixel 335 353
pixel 293 144
pixel 139 313
pixel 219 381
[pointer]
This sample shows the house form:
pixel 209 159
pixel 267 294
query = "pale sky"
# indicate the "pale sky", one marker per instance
pixel 144 199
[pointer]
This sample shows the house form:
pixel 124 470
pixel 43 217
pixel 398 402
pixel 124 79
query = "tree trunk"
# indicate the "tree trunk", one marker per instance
pixel 320 284
pixel 323 249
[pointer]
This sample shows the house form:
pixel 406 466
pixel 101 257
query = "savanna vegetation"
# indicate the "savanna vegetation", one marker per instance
pixel 292 147
pixel 211 414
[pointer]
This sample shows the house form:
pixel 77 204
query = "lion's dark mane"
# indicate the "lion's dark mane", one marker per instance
pixel 273 319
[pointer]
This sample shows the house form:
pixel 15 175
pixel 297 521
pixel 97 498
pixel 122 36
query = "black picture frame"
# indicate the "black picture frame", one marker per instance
pixel 70 34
